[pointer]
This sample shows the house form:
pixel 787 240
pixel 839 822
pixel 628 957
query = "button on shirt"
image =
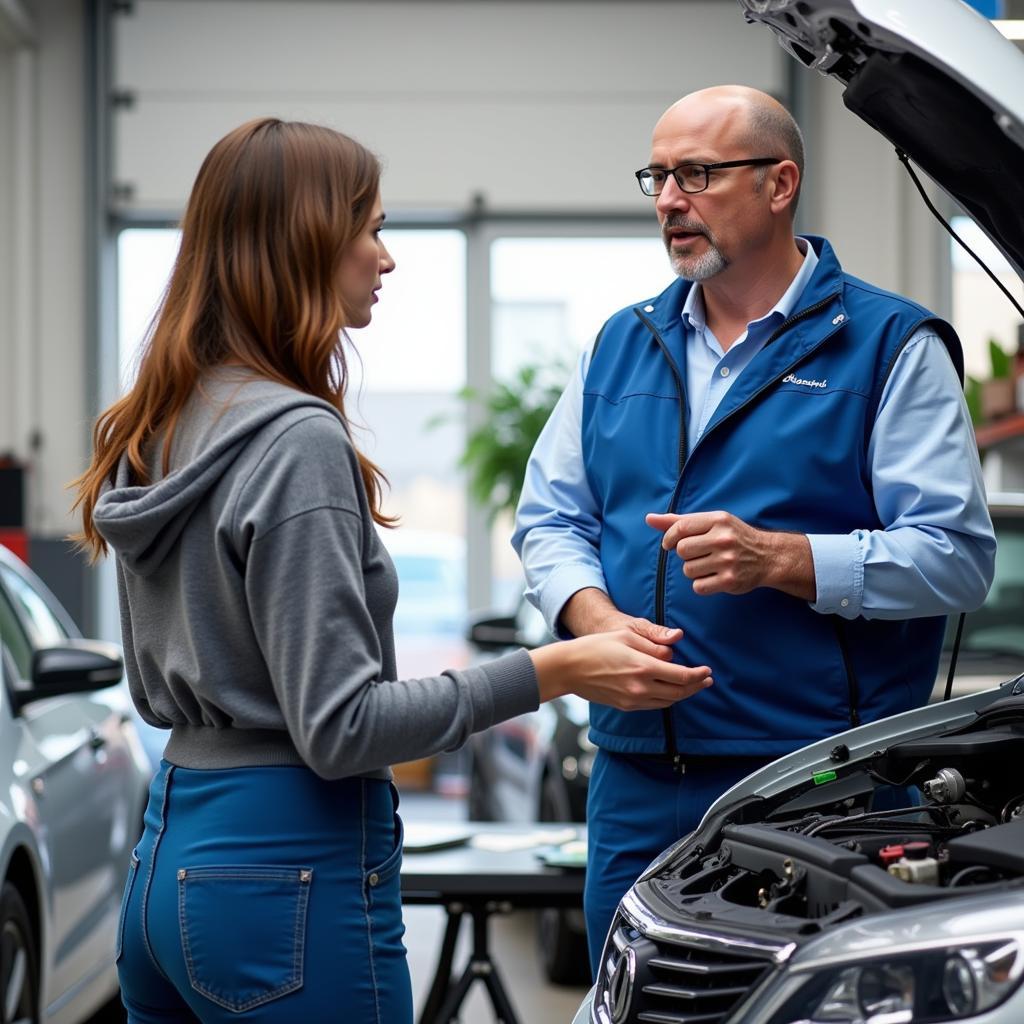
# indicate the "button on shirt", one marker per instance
pixel 926 491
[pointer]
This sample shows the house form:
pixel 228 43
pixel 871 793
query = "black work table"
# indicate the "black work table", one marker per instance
pixel 468 880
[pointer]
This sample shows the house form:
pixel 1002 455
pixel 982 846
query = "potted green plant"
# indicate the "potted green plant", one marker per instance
pixel 512 415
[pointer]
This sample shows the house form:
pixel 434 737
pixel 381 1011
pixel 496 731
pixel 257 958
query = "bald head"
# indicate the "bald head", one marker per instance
pixel 752 121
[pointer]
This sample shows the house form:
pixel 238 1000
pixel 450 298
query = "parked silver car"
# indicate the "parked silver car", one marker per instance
pixel 73 785
pixel 876 877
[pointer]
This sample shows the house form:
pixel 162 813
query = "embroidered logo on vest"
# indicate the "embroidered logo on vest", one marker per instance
pixel 805 383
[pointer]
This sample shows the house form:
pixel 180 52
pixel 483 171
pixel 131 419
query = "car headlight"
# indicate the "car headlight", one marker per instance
pixel 925 987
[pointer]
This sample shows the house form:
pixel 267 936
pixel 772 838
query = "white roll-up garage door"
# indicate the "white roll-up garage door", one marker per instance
pixel 533 106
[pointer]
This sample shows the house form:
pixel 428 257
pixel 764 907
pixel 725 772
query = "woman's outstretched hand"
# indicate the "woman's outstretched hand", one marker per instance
pixel 620 668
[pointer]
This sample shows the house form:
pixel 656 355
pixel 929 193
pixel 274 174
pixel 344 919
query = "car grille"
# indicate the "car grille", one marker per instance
pixel 690 978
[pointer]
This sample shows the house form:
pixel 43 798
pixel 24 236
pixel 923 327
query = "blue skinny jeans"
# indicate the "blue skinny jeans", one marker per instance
pixel 265 895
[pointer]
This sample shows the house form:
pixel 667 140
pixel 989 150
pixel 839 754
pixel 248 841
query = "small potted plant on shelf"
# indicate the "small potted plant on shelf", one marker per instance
pixel 997 397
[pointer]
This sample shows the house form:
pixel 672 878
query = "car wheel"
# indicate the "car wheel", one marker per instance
pixel 560 940
pixel 19 961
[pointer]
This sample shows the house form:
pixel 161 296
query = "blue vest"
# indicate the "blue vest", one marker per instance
pixel 785 450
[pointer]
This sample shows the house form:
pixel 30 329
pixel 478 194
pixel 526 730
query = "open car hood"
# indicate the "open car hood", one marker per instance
pixel 868 844
pixel 936 79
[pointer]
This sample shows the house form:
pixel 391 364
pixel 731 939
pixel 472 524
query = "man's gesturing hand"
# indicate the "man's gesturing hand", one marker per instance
pixel 725 555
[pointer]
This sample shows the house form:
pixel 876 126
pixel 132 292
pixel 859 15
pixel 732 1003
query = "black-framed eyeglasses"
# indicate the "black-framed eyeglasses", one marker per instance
pixel 692 177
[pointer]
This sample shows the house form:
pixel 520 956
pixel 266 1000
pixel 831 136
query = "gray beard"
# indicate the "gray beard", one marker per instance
pixel 698 268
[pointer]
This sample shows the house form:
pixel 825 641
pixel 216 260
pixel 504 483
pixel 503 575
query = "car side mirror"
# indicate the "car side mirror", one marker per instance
pixel 75 666
pixel 494 634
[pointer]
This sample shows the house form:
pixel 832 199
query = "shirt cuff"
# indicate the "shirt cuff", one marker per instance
pixel 838 573
pixel 559 586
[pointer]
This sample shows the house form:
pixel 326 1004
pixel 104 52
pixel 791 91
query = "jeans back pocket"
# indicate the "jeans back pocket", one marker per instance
pixel 129 885
pixel 243 931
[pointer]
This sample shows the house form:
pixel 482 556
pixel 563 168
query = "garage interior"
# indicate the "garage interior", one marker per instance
pixel 509 132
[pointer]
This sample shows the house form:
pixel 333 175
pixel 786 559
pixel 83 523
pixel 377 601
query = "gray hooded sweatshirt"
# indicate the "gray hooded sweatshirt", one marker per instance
pixel 256 599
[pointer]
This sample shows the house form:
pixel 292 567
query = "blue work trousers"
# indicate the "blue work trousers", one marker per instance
pixel 636 807
pixel 265 895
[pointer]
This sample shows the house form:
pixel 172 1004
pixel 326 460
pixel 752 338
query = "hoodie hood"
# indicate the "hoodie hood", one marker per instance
pixel 142 523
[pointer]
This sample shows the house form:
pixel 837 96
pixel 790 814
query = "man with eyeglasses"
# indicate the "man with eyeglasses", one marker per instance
pixel 771 458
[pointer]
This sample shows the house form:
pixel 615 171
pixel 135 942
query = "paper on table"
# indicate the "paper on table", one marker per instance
pixel 422 836
pixel 504 842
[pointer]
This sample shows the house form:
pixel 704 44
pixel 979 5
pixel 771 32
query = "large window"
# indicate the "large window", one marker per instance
pixel 980 310
pixel 404 369
pixel 549 297
pixel 145 257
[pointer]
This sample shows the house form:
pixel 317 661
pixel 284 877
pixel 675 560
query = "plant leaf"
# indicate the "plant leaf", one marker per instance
pixel 1002 364
pixel 513 414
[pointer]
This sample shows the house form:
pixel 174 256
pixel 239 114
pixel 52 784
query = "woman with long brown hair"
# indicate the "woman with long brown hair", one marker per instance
pixel 256 604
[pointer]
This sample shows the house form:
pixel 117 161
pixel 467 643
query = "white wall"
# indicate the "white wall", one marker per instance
pixel 458 97
pixel 8 349
pixel 16 36
pixel 17 170
pixel 60 351
pixel 51 260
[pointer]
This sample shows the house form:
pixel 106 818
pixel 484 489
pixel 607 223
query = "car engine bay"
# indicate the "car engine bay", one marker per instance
pixel 924 819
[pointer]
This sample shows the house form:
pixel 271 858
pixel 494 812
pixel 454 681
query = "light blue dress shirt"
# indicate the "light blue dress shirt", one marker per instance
pixel 935 554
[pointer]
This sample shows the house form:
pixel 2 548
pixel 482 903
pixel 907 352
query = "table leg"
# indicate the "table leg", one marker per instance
pixel 480 966
pixel 450 1009
pixel 486 967
pixel 442 982
pixel 499 997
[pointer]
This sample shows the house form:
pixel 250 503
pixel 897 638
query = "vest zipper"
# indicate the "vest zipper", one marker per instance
pixel 784 326
pixel 671 748
pixel 801 315
pixel 852 685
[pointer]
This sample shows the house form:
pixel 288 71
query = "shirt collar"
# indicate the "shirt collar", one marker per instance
pixel 693 308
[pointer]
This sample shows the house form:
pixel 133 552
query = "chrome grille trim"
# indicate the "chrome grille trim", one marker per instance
pixel 653 1017
pixel 641 917
pixel 663 988
pixel 706 969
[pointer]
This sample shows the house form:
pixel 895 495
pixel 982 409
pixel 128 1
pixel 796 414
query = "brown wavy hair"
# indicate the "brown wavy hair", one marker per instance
pixel 255 283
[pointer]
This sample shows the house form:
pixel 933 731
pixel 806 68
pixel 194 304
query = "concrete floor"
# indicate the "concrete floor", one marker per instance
pixel 512 945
